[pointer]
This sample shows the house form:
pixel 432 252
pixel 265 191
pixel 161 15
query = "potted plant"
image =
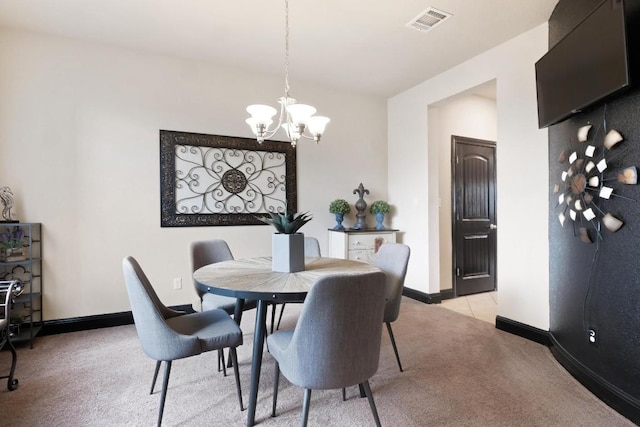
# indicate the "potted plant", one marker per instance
pixel 287 245
pixel 11 248
pixel 380 208
pixel 339 207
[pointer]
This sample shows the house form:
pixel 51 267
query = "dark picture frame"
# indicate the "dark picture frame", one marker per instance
pixel 213 180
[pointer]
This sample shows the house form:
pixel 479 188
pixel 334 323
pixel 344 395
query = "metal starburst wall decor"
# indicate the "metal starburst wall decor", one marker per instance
pixel 587 183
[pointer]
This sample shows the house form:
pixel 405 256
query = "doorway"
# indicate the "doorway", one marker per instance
pixel 473 215
pixel 472 113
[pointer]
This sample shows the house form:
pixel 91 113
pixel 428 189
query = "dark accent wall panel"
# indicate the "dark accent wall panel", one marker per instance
pixel 597 286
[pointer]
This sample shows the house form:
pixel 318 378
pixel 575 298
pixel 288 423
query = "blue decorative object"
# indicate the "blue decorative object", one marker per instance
pixel 339 219
pixel 379 218
pixel 380 208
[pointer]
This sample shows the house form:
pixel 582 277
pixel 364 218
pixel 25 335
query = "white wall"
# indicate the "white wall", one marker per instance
pixel 470 116
pixel 79 146
pixel 523 276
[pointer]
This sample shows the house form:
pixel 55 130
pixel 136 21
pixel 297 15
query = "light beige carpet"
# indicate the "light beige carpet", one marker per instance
pixel 459 371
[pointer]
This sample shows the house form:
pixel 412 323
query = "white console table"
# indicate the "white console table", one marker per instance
pixel 358 245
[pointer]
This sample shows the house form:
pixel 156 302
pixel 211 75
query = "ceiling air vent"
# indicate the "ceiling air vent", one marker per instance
pixel 428 19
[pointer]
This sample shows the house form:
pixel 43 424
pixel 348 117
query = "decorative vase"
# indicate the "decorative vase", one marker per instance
pixel 339 219
pixel 287 252
pixel 379 218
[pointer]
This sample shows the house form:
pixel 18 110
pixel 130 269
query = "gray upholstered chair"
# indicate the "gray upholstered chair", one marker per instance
pixel 6 300
pixel 341 320
pixel 393 258
pixel 205 252
pixel 167 335
pixel 311 249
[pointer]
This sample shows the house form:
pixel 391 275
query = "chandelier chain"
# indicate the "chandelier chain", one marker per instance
pixel 286 49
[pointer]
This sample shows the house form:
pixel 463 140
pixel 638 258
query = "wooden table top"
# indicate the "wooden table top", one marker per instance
pixel 253 278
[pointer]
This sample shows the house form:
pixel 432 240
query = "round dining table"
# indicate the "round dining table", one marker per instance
pixel 252 278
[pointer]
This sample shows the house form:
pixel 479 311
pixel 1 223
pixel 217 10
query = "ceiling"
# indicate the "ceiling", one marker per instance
pixel 359 45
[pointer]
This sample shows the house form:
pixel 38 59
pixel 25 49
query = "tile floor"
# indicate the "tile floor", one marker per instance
pixel 481 306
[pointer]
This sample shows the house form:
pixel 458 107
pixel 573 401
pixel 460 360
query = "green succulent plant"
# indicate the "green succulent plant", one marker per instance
pixel 288 223
pixel 339 206
pixel 380 206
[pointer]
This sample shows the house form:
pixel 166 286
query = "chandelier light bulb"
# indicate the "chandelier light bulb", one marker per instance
pixel 258 128
pixel 261 113
pixel 300 113
pixel 317 125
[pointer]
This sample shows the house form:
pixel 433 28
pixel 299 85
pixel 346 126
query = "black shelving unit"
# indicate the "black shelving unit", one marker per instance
pixel 26 267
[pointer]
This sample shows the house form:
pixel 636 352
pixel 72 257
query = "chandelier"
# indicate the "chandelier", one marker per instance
pixel 297 120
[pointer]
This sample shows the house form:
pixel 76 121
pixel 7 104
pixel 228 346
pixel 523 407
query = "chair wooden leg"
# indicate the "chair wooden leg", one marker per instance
pixel 155 376
pixel 165 384
pixel 344 394
pixel 280 317
pixel 236 372
pixel 393 342
pixel 305 406
pixel 367 390
pixel 276 382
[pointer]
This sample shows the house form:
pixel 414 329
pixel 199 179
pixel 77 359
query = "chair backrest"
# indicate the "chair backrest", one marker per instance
pixel 336 342
pixel 206 252
pixel 393 258
pixel 311 247
pixel 158 340
pixel 6 290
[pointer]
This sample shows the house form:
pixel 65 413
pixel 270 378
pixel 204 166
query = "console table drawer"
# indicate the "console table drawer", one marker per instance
pixel 368 241
pixel 360 245
pixel 362 256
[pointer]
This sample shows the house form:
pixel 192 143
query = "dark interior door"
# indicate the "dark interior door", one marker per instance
pixel 474 212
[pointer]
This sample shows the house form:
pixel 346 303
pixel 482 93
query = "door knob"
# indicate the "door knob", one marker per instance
pixel 492 227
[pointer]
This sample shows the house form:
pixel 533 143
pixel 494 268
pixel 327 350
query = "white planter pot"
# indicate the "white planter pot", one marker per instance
pixel 287 252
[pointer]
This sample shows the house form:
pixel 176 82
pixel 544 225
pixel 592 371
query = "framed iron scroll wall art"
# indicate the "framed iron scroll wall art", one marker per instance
pixel 223 180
